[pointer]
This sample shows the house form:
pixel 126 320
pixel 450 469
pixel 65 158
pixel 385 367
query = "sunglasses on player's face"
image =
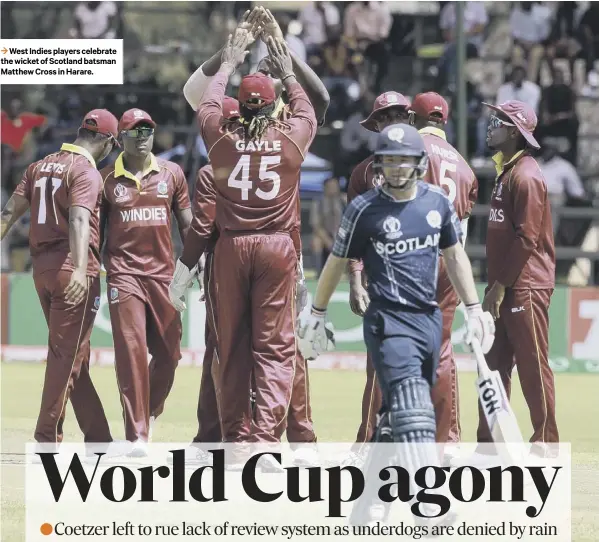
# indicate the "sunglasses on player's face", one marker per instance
pixel 496 122
pixel 139 132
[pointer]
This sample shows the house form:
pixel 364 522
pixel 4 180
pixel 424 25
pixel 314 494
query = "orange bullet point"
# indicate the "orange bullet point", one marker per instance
pixel 46 529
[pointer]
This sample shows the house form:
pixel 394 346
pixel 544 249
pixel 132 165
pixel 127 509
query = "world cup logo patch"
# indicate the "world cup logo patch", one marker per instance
pixel 392 227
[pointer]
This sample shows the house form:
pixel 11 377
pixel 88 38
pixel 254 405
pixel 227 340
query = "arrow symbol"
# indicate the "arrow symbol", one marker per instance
pixel 5 50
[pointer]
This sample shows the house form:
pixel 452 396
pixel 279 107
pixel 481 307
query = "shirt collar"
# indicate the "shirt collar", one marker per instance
pixel 120 171
pixel 76 149
pixel 433 131
pixel 500 166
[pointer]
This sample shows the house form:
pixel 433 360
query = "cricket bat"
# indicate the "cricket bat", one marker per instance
pixel 495 404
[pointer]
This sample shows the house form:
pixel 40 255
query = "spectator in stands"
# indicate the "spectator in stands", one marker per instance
pixel 316 19
pixel 357 142
pixel 475 22
pixel 563 182
pixel 369 25
pixel 293 42
pixel 95 20
pixel 518 88
pixel 562 40
pixel 559 119
pixel 338 65
pixel 530 24
pixel 325 219
pixel 589 36
pixel 18 144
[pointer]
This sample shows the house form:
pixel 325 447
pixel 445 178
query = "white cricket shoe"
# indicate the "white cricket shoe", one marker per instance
pixel 306 456
pixel 139 449
pixel 194 456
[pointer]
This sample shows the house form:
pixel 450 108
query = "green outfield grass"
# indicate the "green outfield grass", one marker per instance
pixel 336 397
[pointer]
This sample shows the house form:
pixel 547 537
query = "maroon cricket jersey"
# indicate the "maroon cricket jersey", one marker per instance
pixel 447 168
pixel 257 182
pixel 204 207
pixel 520 245
pixel 204 211
pixel 52 186
pixel 139 214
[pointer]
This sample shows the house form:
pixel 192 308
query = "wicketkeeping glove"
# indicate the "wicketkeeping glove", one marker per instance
pixel 314 334
pixel 182 280
pixel 479 325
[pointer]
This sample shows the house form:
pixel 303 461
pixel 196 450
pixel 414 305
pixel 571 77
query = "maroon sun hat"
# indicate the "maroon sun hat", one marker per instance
pixel 385 101
pixel 522 115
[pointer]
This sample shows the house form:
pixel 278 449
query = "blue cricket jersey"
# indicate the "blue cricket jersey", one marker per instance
pixel 399 243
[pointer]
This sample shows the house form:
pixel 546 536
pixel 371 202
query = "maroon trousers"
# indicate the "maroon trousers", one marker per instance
pixel 445 391
pixel 522 338
pixel 299 418
pixel 67 367
pixel 143 320
pixel 255 297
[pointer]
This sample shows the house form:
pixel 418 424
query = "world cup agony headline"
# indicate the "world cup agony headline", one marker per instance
pixel 335 484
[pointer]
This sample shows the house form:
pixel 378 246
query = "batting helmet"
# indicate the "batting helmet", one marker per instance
pixel 400 141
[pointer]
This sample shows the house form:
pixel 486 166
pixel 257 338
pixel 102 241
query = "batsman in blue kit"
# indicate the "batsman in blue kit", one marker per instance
pixel 398 230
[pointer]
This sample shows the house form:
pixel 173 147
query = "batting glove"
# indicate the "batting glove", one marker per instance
pixel 314 334
pixel 479 326
pixel 182 280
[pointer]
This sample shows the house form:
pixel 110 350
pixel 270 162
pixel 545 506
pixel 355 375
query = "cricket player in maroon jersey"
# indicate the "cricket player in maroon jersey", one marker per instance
pixel 446 168
pixel 299 423
pixel 521 267
pixel 140 193
pixel 256 162
pixel 389 108
pixel 63 192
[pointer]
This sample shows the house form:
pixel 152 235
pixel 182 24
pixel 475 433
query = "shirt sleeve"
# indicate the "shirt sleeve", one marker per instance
pixel 303 118
pixel 204 204
pixel 181 196
pixel 84 189
pixel 529 197
pixel 23 189
pixel 210 110
pixel 351 238
pixel 195 87
pixel 202 226
pixel 451 228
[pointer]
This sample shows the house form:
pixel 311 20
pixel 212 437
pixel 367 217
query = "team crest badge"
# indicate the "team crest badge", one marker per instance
pixel 96 304
pixel 121 193
pixel 138 114
pixel 162 189
pixel 434 219
pixel 114 295
pixel 498 191
pixel 396 134
pixel 392 227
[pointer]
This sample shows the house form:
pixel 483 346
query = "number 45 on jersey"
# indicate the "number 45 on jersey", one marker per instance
pixel 245 184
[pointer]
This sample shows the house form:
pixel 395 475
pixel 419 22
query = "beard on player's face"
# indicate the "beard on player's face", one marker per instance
pixel 106 150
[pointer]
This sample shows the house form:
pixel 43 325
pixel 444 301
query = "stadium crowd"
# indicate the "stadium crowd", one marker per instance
pixel 542 53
